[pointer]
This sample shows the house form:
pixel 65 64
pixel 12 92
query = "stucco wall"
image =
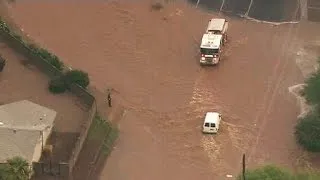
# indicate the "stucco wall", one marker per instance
pixel 38 148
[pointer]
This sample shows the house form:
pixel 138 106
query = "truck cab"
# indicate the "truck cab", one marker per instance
pixel 210 49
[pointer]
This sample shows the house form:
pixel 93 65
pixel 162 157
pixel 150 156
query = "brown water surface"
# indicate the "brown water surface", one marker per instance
pixel 151 59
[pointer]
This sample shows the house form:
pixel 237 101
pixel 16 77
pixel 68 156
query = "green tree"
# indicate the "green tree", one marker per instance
pixel 16 169
pixel 307 132
pixel 312 88
pixel 77 77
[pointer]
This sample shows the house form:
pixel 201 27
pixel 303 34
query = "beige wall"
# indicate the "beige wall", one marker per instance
pixel 38 149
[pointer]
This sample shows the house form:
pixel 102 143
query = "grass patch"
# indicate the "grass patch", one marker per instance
pixel 102 130
pixel 271 172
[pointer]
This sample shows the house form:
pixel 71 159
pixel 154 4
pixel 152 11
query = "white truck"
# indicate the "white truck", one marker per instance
pixel 218 26
pixel 212 41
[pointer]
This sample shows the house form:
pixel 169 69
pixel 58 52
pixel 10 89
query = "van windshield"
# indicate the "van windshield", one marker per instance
pixel 209 51
pixel 213 125
pixel 206 124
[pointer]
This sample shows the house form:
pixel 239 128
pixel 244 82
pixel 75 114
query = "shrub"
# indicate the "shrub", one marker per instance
pixel 156 6
pixel 17 37
pixel 268 172
pixel 307 132
pixel 49 57
pixel 77 77
pixel 3 26
pixel 312 89
pixel 57 85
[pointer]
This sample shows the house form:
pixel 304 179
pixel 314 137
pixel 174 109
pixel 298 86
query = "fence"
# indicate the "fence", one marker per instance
pixel 54 169
pixel 41 167
pixel 82 137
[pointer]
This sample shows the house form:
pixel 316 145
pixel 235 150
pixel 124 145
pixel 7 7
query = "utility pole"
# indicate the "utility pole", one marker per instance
pixel 244 166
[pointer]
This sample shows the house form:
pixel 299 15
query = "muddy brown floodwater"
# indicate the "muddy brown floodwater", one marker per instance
pixel 151 59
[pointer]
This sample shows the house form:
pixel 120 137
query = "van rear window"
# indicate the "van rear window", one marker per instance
pixel 213 125
pixel 206 124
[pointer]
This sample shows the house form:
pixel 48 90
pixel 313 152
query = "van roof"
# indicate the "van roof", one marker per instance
pixel 216 25
pixel 211 117
pixel 211 41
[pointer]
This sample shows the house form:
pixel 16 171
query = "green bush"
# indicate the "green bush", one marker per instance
pixel 307 132
pixel 57 85
pixel 268 172
pixel 49 57
pixel 3 26
pixel 77 77
pixel 312 89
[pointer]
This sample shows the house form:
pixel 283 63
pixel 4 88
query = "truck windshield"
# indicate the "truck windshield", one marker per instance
pixel 215 31
pixel 209 51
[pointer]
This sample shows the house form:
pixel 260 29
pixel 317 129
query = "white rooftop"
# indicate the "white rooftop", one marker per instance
pixel 20 126
pixel 216 25
pixel 211 41
pixel 26 115
pixel 211 117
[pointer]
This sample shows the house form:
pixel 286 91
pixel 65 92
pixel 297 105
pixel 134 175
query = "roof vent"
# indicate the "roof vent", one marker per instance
pixel 41 118
pixel 1 123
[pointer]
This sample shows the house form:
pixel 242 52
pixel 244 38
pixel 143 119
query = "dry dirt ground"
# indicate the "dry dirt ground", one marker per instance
pixel 150 58
pixel 20 80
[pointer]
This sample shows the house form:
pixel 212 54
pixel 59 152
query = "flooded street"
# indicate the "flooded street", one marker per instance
pixel 151 59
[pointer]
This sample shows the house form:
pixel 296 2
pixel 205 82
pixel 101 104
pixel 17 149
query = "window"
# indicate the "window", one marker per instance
pixel 206 124
pixel 209 51
pixel 215 31
pixel 213 125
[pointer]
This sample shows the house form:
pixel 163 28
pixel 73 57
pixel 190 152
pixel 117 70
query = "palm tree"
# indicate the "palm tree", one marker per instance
pixel 17 168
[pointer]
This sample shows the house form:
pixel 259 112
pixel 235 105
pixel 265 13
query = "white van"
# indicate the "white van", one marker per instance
pixel 211 122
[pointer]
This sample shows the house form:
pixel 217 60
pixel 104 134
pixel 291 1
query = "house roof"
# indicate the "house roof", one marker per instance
pixel 20 143
pixel 20 126
pixel 26 115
